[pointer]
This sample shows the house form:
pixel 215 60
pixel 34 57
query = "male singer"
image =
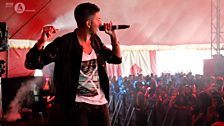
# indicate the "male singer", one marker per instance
pixel 80 79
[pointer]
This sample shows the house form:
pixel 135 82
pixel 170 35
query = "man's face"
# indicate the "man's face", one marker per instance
pixel 95 23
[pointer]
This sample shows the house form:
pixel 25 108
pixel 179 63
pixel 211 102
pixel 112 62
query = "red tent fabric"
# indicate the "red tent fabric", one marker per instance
pixel 167 22
pixel 14 65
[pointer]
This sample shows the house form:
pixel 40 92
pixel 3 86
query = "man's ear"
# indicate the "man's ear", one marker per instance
pixel 88 23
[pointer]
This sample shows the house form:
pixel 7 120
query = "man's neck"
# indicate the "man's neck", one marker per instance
pixel 83 35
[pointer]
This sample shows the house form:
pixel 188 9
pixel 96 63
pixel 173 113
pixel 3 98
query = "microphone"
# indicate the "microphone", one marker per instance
pixel 114 27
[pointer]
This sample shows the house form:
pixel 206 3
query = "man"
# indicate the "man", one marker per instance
pixel 80 79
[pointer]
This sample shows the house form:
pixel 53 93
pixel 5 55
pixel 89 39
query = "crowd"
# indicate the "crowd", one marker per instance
pixel 182 99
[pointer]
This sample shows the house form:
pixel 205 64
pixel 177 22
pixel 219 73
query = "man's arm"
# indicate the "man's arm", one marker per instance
pixel 114 42
pixel 34 58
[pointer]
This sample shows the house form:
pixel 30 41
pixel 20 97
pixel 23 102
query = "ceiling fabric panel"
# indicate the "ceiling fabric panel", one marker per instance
pixel 153 22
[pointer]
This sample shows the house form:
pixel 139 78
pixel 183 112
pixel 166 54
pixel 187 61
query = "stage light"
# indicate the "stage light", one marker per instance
pixel 3 37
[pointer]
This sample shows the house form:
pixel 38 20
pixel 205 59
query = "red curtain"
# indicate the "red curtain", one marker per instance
pixel 14 65
pixel 113 70
pixel 153 64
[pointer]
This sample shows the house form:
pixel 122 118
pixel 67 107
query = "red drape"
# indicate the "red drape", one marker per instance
pixel 153 64
pixel 14 65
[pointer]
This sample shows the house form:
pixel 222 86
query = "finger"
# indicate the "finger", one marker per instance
pixel 49 30
pixel 55 30
pixel 106 26
pixel 110 24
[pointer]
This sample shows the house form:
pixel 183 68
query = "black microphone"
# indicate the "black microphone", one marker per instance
pixel 114 27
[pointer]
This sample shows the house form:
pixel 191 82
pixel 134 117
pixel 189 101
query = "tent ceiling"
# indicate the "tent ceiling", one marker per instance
pixel 153 22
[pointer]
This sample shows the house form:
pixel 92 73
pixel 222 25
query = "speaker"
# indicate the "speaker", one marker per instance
pixel 214 66
pixel 3 36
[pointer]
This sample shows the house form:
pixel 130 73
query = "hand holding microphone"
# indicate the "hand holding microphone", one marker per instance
pixel 109 28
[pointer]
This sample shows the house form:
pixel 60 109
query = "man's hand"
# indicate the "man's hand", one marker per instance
pixel 47 32
pixel 108 29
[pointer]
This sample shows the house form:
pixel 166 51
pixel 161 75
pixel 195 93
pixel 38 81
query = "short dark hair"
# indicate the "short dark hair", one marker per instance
pixel 84 11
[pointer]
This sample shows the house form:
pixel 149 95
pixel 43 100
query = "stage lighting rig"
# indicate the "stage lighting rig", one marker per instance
pixel 3 37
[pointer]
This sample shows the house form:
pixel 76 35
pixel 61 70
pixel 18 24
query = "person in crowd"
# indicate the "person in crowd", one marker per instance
pixel 212 110
pixel 220 121
pixel 80 80
pixel 140 105
pixel 184 103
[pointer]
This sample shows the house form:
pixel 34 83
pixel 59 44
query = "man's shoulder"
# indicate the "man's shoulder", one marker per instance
pixel 66 38
pixel 69 35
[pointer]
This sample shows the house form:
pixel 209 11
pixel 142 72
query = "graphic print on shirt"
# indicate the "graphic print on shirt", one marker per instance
pixel 88 79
